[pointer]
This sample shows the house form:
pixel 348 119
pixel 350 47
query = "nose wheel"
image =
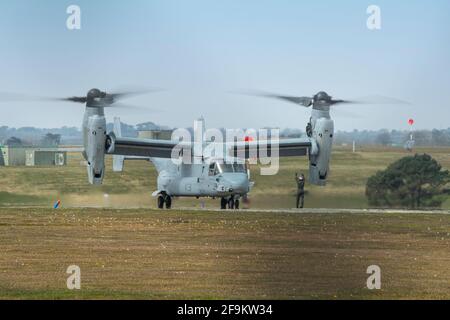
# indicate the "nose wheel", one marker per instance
pixel 164 199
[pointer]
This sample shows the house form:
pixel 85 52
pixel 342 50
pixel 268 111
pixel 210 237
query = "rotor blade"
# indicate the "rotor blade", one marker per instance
pixel 334 102
pixel 128 106
pixel 16 97
pixel 12 97
pixel 73 99
pixel 128 94
pixel 374 99
pixel 303 101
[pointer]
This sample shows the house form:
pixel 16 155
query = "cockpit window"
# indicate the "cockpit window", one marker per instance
pixel 230 168
pixel 238 167
pixel 225 167
pixel 213 169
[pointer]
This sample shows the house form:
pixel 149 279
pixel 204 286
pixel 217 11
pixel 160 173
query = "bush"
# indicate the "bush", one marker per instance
pixel 413 182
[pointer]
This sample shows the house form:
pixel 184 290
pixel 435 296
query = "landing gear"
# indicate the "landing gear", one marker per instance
pixel 223 203
pixel 168 201
pixel 230 203
pixel 164 198
pixel 160 201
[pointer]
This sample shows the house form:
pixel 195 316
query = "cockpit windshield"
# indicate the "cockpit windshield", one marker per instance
pixel 225 167
pixel 229 168
pixel 238 167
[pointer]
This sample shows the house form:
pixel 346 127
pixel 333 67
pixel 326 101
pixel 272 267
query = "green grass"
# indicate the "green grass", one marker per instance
pixel 347 180
pixel 151 254
pixel 7 198
pixel 133 187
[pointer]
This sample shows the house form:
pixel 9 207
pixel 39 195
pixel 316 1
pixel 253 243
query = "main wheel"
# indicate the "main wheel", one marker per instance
pixel 160 201
pixel 168 201
pixel 231 203
pixel 236 204
pixel 223 203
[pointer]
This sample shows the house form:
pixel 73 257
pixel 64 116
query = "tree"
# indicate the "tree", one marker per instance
pixel 51 140
pixel 384 138
pixel 147 126
pixel 423 138
pixel 413 182
pixel 440 137
pixel 14 142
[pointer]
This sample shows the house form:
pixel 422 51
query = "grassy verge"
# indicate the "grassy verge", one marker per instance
pixel 148 254
pixel 133 187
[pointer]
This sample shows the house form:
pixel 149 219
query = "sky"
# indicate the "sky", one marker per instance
pixel 201 52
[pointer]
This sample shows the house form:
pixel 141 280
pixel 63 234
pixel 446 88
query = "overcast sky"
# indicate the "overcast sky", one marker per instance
pixel 200 50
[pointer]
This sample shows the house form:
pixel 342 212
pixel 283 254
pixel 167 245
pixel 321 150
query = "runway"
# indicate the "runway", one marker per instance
pixel 255 210
pixel 321 211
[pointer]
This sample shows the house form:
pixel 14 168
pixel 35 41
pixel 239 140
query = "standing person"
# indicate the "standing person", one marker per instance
pixel 300 189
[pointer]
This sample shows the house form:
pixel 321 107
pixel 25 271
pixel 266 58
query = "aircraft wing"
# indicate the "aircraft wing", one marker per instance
pixel 165 148
pixel 144 147
pixel 286 148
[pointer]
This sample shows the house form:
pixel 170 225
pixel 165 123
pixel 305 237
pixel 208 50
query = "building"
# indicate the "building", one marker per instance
pixel 45 157
pixel 12 155
pixel 32 156
pixel 157 134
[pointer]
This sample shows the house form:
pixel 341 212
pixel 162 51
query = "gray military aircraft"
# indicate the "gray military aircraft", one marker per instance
pixel 223 176
pixel 227 177
pixel 212 176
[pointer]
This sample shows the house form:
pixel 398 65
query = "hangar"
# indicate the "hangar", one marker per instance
pixel 32 156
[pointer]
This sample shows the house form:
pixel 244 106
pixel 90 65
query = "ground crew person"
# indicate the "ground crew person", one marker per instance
pixel 300 189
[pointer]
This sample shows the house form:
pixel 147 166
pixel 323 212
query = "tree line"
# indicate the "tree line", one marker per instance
pixel 384 137
pixel 72 135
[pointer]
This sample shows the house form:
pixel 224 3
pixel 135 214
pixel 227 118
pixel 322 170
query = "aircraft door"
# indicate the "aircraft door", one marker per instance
pixel 206 179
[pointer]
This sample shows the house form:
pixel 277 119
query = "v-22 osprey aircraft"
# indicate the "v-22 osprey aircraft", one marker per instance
pixel 212 177
pixel 223 175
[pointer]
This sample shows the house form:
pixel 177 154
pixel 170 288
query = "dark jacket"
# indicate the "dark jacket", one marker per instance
pixel 300 185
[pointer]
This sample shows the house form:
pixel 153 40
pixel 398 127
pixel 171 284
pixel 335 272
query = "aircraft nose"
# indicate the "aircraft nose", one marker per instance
pixel 238 183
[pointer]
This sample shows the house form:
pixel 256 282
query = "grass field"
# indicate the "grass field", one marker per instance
pixel 144 253
pixel 148 254
pixel 133 187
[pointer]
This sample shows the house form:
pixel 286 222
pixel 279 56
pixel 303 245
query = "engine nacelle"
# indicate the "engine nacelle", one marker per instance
pixel 323 131
pixel 94 147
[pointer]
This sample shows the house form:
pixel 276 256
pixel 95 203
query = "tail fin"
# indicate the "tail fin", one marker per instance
pixel 117 159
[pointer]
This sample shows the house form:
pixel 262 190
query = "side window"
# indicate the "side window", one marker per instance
pixel 212 169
